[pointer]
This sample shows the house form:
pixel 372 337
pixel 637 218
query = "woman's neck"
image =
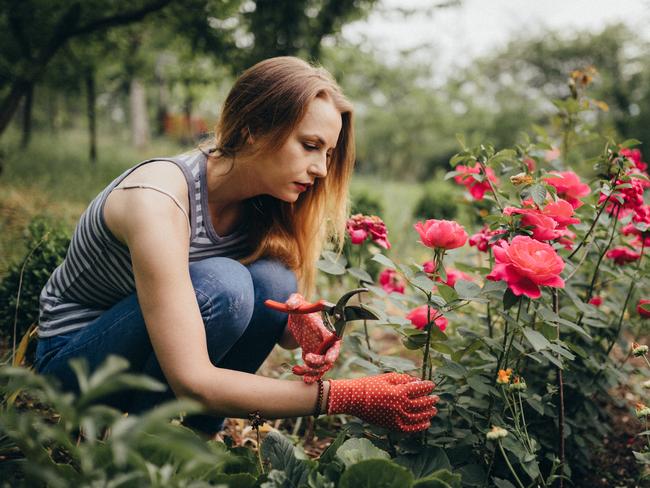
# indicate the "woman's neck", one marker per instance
pixel 229 184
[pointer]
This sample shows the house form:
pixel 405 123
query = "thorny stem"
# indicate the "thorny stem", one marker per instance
pixel 560 381
pixel 365 322
pixel 593 224
pixel 627 298
pixel 523 419
pixel 494 192
pixel 514 473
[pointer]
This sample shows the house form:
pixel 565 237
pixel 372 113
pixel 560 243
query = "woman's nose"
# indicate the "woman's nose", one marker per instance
pixel 319 167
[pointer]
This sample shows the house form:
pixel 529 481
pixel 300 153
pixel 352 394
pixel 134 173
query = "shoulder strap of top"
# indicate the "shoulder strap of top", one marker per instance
pixel 164 192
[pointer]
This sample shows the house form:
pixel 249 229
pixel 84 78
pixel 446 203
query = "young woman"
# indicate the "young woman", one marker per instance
pixel 170 265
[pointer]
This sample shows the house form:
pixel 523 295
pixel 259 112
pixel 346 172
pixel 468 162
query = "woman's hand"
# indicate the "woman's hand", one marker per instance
pixel 396 401
pixel 312 336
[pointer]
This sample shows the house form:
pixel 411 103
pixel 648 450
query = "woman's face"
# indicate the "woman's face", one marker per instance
pixel 305 154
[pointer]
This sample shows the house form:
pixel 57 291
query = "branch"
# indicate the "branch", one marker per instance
pixel 120 19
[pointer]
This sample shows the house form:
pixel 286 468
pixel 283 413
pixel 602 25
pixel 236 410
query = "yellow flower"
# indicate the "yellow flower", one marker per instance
pixel 496 433
pixel 504 376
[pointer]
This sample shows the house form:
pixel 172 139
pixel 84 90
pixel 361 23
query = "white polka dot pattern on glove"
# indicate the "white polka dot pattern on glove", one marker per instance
pixel 392 400
pixel 310 333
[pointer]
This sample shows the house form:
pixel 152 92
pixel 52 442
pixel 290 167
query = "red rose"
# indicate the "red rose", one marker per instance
pixel 642 311
pixel 526 264
pixel 569 187
pixel 635 156
pixel 418 317
pixel 483 239
pixel 443 234
pixel 359 227
pixel 596 301
pixel 622 255
pixel 391 281
pixel 476 188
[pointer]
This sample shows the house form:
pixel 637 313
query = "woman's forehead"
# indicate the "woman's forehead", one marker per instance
pixel 322 120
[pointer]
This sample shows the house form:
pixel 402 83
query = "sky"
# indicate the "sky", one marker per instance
pixel 454 36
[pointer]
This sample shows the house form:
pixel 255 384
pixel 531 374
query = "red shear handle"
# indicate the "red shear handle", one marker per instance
pixel 319 306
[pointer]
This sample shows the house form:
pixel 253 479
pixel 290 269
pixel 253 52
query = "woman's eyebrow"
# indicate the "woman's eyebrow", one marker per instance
pixel 319 139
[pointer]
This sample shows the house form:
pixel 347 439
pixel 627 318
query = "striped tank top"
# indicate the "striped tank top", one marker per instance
pixel 97 272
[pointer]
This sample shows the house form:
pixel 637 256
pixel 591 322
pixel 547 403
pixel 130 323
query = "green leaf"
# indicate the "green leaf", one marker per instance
pixel 330 267
pixel 537 340
pixel 422 281
pixel 330 453
pixel 453 370
pixel 447 292
pixel 280 452
pixel 538 193
pixel 239 480
pixel 424 462
pixel 500 483
pixel 376 473
pixel 440 479
pixel 509 299
pixel 441 347
pixel 628 143
pixel 473 474
pixel 360 274
pixel 467 289
pixel 381 259
pixel 354 450
pixel 479 384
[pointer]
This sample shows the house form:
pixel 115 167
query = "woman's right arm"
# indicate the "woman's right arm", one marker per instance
pixel 155 231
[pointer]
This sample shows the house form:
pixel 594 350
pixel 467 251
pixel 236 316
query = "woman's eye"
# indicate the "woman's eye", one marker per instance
pixel 310 147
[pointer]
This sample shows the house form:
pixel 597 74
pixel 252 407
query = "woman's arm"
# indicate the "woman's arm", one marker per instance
pixel 156 233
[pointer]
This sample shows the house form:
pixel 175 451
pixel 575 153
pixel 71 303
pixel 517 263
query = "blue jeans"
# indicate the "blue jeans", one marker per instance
pixel 239 329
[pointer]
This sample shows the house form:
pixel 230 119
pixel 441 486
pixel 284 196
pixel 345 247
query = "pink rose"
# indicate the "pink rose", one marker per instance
pixel 630 199
pixel 443 234
pixel 622 255
pixel 526 264
pixel 359 227
pixel 552 154
pixel 643 312
pixel 453 275
pixel 569 187
pixel 543 228
pixel 483 239
pixel 391 281
pixel 476 188
pixel 418 317
pixel 635 156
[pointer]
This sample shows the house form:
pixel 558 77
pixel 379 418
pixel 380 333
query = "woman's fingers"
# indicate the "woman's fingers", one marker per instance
pixel 417 389
pixel 420 404
pixel 398 378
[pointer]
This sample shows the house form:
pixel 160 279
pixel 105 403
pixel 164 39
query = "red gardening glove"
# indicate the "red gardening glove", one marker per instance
pixel 395 401
pixel 310 332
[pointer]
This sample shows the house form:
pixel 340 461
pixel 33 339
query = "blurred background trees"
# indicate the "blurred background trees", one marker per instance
pixel 139 71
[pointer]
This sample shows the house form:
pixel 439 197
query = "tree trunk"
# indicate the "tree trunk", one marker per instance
pixel 10 103
pixel 91 96
pixel 187 106
pixel 27 117
pixel 139 120
pixel 163 98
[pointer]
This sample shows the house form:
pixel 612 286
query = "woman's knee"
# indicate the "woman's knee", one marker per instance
pixel 272 279
pixel 224 292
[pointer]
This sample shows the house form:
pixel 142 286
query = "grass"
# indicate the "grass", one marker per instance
pixel 54 176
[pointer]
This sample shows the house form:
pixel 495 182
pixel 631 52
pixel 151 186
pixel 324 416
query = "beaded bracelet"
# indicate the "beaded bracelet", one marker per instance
pixel 319 400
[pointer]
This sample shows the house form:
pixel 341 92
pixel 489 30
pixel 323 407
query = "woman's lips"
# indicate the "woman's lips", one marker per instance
pixel 301 186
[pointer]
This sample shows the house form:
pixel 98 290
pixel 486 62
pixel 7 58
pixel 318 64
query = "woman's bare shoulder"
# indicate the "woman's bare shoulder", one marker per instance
pixel 121 203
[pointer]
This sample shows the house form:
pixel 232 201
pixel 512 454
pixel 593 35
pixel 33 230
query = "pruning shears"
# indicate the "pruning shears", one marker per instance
pixel 335 315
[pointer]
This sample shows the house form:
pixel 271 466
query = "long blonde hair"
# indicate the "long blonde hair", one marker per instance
pixel 269 100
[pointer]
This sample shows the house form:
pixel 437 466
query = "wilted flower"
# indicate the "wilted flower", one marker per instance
pixel 418 317
pixel 643 312
pixel 521 179
pixel 496 433
pixel 360 227
pixel 526 264
pixel 518 384
pixel 568 186
pixel 503 377
pixel 639 350
pixel 642 410
pixel 441 234
pixel 476 188
pixel 391 281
